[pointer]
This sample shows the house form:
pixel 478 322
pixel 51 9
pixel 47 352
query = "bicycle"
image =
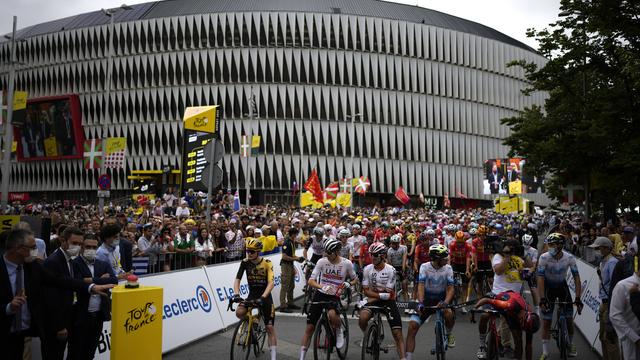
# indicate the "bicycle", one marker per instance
pixel 324 337
pixel 492 342
pixel 307 268
pixel 440 348
pixel 249 334
pixel 374 334
pixel 458 286
pixel 560 331
pixel 483 287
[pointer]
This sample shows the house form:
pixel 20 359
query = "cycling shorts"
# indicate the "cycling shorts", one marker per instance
pixel 267 308
pixel 561 294
pixel 393 314
pixel 315 310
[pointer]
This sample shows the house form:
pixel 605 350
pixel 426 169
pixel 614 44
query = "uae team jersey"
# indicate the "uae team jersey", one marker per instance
pixel 555 270
pixel 435 281
pixel 395 256
pixel 317 246
pixel 383 280
pixel 326 273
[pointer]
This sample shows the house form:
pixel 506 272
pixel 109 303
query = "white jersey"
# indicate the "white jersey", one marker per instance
pixel 435 280
pixel 379 281
pixel 395 256
pixel 346 250
pixel 555 270
pixel 326 273
pixel 317 246
pixel 356 241
pixel 531 253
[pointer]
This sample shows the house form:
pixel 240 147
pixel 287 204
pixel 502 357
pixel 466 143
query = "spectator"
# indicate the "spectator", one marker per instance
pixel 42 246
pixel 109 251
pixel 629 240
pixel 204 247
pixel 610 348
pixel 90 311
pixel 234 242
pixel 183 211
pixel 183 245
pixel 170 201
pixel 148 246
pixel 623 319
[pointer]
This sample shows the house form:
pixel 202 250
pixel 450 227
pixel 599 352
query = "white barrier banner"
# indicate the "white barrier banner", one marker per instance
pixel 588 322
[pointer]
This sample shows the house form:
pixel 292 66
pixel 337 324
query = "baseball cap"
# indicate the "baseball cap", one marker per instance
pixel 628 229
pixel 601 241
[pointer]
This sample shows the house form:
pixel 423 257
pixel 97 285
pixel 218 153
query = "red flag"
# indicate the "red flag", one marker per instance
pixel 402 196
pixel 313 186
pixel 332 190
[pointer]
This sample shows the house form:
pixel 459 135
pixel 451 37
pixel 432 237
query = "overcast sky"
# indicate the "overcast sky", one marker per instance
pixel 511 17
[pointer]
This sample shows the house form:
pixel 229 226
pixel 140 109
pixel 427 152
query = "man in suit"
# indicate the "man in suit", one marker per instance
pixel 90 311
pixel 495 179
pixel 59 304
pixel 22 278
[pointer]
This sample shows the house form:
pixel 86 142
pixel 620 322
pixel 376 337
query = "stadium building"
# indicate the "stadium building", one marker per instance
pixel 401 94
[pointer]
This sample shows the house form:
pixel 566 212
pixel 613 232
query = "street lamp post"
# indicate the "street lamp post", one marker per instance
pixel 8 129
pixel 107 89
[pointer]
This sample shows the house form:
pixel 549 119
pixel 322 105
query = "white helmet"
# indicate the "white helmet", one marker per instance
pixel 527 239
pixel 473 231
pixel 332 245
pixel 431 232
pixel 344 232
pixel 396 238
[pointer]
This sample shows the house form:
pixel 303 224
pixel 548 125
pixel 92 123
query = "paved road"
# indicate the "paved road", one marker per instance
pixel 290 327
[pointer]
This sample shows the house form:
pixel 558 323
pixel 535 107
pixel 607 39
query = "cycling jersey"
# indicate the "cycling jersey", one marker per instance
pixel 435 281
pixel 317 246
pixel 326 273
pixel 479 250
pixel 531 253
pixel 458 252
pixel 383 280
pixel 356 242
pixel 346 250
pixel 395 256
pixel 509 304
pixel 258 275
pixel 364 254
pixel 554 270
pixel 421 254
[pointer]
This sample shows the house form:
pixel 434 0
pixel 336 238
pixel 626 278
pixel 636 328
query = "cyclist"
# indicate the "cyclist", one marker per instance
pixel 378 284
pixel 347 249
pixel 435 288
pixel 480 258
pixel 328 277
pixel 365 258
pixel 356 242
pixel 259 272
pixel 397 255
pixel 552 284
pixel 460 257
pixel 519 317
pixel 531 255
pixel 315 243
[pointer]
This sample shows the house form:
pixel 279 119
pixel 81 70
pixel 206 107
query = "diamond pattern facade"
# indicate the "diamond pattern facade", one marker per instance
pixel 430 98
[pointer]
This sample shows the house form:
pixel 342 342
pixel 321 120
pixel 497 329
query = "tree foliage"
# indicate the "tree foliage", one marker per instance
pixel 588 131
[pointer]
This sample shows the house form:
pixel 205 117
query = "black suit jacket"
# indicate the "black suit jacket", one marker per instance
pixel 35 279
pixel 59 304
pixel 80 272
pixel 126 252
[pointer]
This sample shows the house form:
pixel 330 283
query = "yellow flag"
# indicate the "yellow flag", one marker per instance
pixel 14 146
pixel 200 118
pixel 306 199
pixel 19 100
pixel 344 199
pixel 255 144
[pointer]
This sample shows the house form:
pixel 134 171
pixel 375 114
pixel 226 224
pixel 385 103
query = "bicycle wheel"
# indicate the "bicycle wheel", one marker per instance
pixel 241 342
pixel 493 350
pixel 259 335
pixel 342 353
pixel 440 349
pixel 563 339
pixel 322 340
pixel 370 345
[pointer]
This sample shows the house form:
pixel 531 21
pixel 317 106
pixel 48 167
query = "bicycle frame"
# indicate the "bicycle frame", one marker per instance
pixel 560 330
pixel 324 322
pixel 440 348
pixel 252 319
pixel 377 327
pixel 493 335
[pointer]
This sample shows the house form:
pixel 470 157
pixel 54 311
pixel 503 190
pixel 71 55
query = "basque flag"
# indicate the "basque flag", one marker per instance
pixel 236 202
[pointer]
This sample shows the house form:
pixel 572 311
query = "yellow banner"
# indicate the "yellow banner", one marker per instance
pixel 14 146
pixel 7 222
pixel 200 118
pixel 50 146
pixel 306 199
pixel 136 324
pixel 19 100
pixel 116 144
pixel 255 141
pixel 344 199
pixel 515 187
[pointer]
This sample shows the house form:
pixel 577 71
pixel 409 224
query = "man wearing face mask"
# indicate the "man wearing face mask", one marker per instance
pixel 109 251
pixel 607 335
pixel 60 301
pixel 23 294
pixel 552 284
pixel 90 311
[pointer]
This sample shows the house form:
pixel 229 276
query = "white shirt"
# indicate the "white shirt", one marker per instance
pixel 623 319
pixel 509 280
pixel 94 300
pixel 180 211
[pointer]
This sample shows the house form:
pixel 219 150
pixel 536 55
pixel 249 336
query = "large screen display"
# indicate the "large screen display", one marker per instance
pixel 52 129
pixel 510 177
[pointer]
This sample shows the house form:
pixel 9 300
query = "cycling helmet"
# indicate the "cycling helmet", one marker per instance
pixel 472 231
pixel 327 227
pixel 355 227
pixel 385 224
pixel 482 230
pixel 431 232
pixel 378 249
pixel 530 322
pixel 344 232
pixel 459 235
pixel 253 244
pixel 332 245
pixel 396 238
pixel 438 251
pixel 527 239
pixel 499 226
pixel 555 238
pixel 318 231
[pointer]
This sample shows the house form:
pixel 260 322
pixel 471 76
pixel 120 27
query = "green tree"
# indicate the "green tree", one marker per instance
pixel 588 131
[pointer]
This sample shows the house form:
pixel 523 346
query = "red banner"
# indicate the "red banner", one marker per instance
pixel 313 186
pixel 402 196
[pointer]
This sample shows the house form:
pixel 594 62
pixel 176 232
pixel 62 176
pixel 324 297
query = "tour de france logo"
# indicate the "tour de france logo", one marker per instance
pixel 139 317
